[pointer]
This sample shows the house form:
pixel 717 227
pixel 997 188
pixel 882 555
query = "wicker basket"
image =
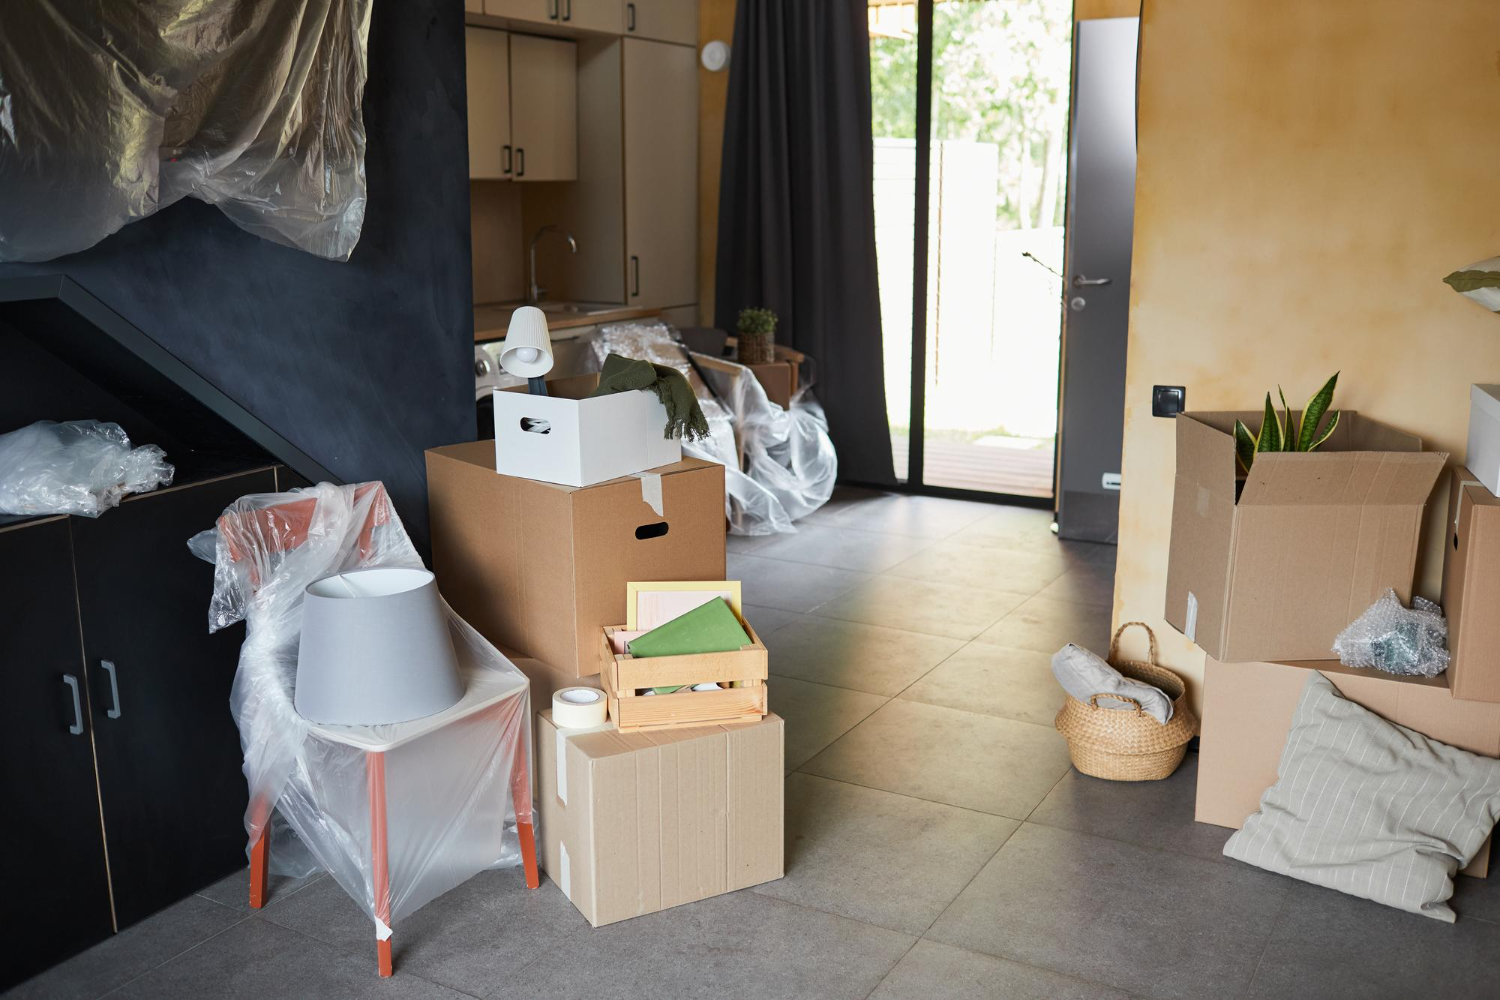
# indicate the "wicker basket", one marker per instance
pixel 1129 746
pixel 757 348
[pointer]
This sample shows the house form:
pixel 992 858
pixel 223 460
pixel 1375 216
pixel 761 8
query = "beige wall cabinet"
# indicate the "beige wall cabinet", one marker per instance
pixel 544 108
pixel 538 11
pixel 488 70
pixel 663 20
pixel 588 15
pixel 474 6
pixel 661 173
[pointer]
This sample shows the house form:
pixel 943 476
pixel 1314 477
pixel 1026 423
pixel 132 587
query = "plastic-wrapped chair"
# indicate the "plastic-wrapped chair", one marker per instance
pixel 398 814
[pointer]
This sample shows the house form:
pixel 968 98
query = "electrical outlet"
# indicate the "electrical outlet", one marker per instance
pixel 1168 400
pixel 1111 480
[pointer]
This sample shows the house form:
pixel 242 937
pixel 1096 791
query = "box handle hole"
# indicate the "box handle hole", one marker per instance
pixel 651 530
pixel 532 425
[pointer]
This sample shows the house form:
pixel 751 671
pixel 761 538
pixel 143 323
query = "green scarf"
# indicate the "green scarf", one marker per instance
pixel 684 416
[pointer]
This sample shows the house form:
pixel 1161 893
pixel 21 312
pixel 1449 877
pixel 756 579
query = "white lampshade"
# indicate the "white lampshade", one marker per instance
pixel 527 350
pixel 375 649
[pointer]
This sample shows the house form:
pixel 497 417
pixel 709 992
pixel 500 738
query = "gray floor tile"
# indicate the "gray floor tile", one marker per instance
pixel 984 568
pixel 843 498
pixel 1046 626
pixel 1332 946
pixel 855 655
pixel 1147 813
pixel 134 951
pixel 1010 683
pixel 788 586
pixel 816 714
pixel 1087 584
pixel 743 945
pixel 883 858
pixel 1145 921
pixel 749 543
pixel 470 938
pixel 920 606
pixel 257 958
pixel 1019 528
pixel 932 971
pixel 767 621
pixel 233 891
pixel 964 759
pixel 916 516
pixel 844 548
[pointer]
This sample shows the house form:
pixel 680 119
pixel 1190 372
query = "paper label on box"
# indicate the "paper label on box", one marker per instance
pixel 562 767
pixel 1190 626
pixel 651 491
pixel 564 872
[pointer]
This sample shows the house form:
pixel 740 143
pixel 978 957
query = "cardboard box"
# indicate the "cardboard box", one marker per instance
pixel 1483 458
pixel 541 568
pixel 1275 570
pixel 1471 589
pixel 624 675
pixel 574 439
pixel 547 681
pixel 632 823
pixel 1247 714
pixel 781 377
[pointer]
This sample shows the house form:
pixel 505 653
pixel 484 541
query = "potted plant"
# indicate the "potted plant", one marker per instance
pixel 757 336
pixel 1279 432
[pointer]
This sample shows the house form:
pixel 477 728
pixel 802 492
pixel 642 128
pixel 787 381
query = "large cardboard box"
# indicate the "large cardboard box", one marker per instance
pixel 632 823
pixel 575 439
pixel 541 568
pixel 1471 588
pixel 1247 714
pixel 1276 568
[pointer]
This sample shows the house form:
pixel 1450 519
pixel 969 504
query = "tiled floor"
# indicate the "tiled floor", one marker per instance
pixel 938 843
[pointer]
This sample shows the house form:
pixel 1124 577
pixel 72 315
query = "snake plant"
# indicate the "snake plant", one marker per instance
pixel 1279 432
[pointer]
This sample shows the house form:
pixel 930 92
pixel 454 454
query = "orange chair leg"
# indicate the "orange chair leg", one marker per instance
pixel 528 854
pixel 520 793
pixel 259 855
pixel 379 856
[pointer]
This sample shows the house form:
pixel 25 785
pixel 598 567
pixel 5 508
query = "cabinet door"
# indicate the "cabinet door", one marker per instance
pixel 661 173
pixel 51 844
pixel 487 60
pixel 169 757
pixel 474 6
pixel 605 16
pixel 537 11
pixel 663 20
pixel 544 108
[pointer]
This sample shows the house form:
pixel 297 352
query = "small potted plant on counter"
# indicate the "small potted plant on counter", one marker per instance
pixel 757 336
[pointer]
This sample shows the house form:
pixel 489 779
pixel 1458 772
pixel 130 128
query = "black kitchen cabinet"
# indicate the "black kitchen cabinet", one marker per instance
pixel 168 752
pixel 51 843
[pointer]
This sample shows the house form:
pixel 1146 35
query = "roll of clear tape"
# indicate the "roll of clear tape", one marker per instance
pixel 578 708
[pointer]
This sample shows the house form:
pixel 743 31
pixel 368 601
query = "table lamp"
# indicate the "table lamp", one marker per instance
pixel 375 649
pixel 527 351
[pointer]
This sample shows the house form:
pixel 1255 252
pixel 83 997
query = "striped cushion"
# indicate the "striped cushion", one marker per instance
pixel 1370 808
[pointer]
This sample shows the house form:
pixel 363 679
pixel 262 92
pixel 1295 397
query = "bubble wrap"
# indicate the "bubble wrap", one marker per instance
pixel 1396 639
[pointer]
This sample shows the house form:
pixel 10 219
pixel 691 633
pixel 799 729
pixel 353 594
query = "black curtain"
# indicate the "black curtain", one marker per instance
pixel 796 208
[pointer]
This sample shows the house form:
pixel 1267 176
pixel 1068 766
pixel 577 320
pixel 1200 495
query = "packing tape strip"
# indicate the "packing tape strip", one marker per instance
pixel 579 708
pixel 651 492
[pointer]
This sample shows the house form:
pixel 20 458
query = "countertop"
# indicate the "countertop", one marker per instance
pixel 492 318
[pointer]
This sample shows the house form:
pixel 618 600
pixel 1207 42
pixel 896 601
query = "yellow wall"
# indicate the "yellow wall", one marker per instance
pixel 1308 172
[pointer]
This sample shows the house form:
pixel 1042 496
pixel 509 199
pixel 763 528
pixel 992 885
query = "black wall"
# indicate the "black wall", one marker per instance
pixel 365 363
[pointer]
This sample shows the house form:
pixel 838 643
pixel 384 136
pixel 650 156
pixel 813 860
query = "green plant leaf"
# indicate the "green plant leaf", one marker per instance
pixel 1312 414
pixel 1269 438
pixel 1244 445
pixel 1333 421
pixel 1289 435
pixel 1468 281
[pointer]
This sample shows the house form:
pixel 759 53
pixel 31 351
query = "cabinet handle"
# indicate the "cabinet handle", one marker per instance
pixel 635 281
pixel 114 688
pixel 630 17
pixel 505 152
pixel 552 6
pixel 520 162
pixel 76 729
pixel 567 10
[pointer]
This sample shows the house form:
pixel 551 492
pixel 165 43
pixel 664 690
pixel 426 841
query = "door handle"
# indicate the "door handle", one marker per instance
pixel 567 10
pixel 635 281
pixel 552 7
pixel 76 729
pixel 1079 281
pixel 505 152
pixel 114 688
pixel 630 17
pixel 520 162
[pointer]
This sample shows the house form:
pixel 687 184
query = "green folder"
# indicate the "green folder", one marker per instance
pixel 708 628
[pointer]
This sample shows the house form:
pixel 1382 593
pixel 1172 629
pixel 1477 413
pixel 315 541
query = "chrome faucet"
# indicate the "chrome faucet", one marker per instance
pixel 534 292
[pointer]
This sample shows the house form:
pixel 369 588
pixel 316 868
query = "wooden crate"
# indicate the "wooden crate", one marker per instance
pixel 623 675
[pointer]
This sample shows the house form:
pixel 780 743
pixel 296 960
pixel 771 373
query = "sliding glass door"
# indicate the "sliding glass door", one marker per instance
pixel 970 106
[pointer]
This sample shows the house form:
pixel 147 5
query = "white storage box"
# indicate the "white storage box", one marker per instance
pixel 570 438
pixel 1484 435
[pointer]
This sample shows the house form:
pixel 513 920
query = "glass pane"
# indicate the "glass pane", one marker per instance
pixel 995 243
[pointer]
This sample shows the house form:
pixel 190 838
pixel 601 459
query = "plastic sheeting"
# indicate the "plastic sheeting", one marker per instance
pixel 790 465
pixel 79 467
pixel 111 110
pixel 453 794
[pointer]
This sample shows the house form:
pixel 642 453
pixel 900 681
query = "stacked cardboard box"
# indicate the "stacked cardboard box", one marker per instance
pixel 629 822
